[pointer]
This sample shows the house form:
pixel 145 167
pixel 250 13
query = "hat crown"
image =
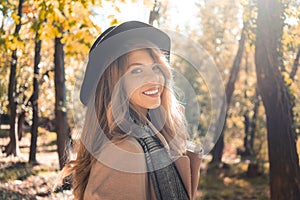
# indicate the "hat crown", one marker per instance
pixel 113 30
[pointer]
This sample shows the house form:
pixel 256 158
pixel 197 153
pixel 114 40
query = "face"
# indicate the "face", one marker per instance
pixel 144 81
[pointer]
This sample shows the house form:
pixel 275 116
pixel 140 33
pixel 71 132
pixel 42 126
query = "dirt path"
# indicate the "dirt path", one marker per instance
pixel 20 180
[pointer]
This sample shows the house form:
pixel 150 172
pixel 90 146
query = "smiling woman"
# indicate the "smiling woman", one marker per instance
pixel 133 142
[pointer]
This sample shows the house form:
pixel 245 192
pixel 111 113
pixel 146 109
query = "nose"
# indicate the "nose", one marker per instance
pixel 153 76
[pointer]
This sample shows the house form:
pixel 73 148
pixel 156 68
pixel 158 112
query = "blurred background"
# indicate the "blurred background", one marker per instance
pixel 255 46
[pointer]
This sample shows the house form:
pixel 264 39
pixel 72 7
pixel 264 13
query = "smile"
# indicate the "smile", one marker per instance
pixel 152 92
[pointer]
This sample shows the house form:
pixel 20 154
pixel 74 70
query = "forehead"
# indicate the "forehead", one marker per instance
pixel 140 56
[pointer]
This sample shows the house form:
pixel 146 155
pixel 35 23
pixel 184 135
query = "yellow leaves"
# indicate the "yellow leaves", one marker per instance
pixel 117 9
pixel 114 22
pixel 42 14
pixel 78 43
pixel 76 10
pixel 15 17
pixel 49 32
pixel 293 90
pixel 58 16
pixel 50 29
pixel 65 17
pixel 249 47
pixel 5 109
pixel 286 78
pixel 289 82
pixel 227 181
pixel 14 43
pixel 96 2
pixel 110 16
pixel 70 20
pixel 149 3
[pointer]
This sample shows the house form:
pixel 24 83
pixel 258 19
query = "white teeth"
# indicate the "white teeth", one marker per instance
pixel 151 92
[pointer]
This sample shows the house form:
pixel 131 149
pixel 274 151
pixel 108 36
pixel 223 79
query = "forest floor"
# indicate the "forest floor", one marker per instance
pixel 20 180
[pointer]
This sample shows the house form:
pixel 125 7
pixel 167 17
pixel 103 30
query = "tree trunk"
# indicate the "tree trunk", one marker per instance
pixel 246 151
pixel 253 123
pixel 295 65
pixel 217 151
pixel 154 13
pixel 34 100
pixel 249 121
pixel 283 157
pixel 13 145
pixel 60 102
pixel 21 121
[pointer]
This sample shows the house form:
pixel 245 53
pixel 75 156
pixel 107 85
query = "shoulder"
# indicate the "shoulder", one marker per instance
pixel 119 163
pixel 124 154
pixel 128 143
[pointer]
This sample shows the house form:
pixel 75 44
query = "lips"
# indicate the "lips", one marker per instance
pixel 152 92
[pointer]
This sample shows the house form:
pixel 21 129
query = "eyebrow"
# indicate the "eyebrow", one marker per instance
pixel 133 64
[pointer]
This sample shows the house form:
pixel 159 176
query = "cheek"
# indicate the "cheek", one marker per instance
pixel 131 87
pixel 135 96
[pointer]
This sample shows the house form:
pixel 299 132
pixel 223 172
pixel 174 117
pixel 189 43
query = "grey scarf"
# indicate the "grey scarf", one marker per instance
pixel 161 168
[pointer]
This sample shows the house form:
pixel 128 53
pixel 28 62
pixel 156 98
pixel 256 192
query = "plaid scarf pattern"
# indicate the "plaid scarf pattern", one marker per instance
pixel 161 168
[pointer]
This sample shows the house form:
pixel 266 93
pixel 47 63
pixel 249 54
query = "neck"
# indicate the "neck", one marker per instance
pixel 139 115
pixel 142 111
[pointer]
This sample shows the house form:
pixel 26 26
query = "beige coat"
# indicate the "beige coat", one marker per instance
pixel 120 173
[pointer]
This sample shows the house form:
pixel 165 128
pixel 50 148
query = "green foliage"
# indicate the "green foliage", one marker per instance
pixel 194 95
pixel 8 11
pixel 220 32
pixel 290 42
pixel 232 183
pixel 17 171
pixel 249 19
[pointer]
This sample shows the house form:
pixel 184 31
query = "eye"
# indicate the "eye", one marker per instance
pixel 136 71
pixel 156 68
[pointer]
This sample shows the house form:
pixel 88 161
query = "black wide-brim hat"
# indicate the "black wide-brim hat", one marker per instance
pixel 112 44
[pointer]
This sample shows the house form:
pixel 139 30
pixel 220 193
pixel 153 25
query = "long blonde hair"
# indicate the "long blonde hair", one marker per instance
pixel 100 125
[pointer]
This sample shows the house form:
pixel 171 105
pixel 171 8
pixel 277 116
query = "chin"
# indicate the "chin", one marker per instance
pixel 154 106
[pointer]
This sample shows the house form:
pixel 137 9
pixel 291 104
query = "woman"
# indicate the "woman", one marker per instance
pixel 133 143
